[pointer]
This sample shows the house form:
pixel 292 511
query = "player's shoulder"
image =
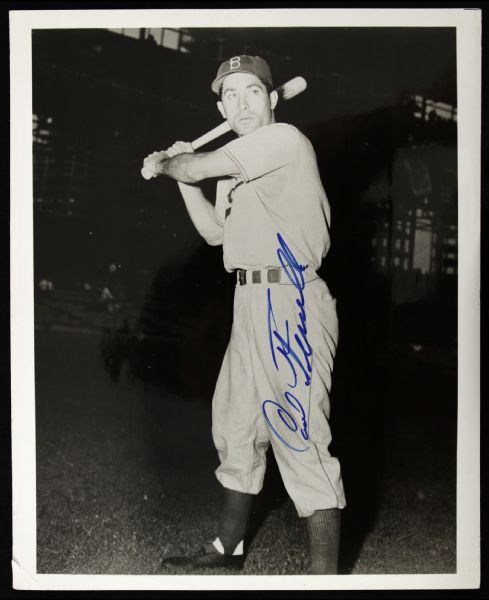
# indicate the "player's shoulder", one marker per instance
pixel 282 128
pixel 287 131
pixel 280 132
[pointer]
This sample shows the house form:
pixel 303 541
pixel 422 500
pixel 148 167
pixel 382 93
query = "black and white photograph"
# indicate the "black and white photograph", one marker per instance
pixel 244 281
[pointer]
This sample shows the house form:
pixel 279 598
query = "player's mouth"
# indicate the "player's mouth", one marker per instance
pixel 246 118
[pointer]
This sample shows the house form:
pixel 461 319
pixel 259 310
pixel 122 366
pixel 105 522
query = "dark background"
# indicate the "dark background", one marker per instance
pixel 115 373
pixel 98 111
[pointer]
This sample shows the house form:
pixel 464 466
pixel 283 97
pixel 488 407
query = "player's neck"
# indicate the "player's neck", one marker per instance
pixel 272 121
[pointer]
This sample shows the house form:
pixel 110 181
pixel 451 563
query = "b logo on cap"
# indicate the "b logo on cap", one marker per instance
pixel 235 62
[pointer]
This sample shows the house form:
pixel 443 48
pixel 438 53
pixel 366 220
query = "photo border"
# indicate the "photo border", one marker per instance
pixel 468 26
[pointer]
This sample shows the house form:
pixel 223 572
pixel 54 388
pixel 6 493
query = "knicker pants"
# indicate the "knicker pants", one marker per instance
pixel 274 387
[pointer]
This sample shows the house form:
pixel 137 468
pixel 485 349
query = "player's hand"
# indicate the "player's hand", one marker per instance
pixel 151 162
pixel 179 148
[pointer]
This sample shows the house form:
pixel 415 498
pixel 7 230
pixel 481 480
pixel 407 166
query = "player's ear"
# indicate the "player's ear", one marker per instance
pixel 273 99
pixel 221 109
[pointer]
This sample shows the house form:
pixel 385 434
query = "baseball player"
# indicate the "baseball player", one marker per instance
pixel 272 218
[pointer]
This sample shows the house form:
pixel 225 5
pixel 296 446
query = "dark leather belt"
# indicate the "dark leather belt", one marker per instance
pixel 271 275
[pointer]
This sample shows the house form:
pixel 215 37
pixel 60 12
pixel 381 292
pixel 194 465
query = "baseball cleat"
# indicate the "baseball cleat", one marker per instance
pixel 208 558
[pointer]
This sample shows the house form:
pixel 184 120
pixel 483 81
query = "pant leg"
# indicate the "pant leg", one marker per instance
pixel 310 474
pixel 239 432
pixel 245 418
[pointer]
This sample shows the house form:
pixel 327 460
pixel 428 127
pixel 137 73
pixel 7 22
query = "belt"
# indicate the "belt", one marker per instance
pixel 271 275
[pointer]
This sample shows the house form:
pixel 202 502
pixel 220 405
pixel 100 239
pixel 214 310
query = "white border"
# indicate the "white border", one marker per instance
pixel 468 24
pixel 469 246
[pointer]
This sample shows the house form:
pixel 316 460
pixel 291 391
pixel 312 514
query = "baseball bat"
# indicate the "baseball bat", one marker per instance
pixel 286 91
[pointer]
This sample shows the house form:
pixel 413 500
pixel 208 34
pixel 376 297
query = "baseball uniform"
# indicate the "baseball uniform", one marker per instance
pixel 275 379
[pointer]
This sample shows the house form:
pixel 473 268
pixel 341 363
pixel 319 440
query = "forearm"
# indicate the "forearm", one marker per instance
pixel 189 167
pixel 183 168
pixel 202 213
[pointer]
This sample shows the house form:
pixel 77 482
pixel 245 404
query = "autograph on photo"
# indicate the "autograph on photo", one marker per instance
pixel 297 359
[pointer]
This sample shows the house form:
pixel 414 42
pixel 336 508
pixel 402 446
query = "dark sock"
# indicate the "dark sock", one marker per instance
pixel 323 528
pixel 232 525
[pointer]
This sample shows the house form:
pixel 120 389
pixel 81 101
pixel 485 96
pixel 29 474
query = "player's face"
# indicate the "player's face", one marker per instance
pixel 245 103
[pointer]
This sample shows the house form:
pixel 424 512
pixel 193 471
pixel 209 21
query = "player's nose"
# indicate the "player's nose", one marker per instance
pixel 242 101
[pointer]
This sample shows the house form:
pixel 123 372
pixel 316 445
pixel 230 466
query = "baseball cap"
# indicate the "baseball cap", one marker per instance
pixel 243 64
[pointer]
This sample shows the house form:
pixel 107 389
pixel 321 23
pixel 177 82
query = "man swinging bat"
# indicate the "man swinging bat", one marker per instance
pixel 272 218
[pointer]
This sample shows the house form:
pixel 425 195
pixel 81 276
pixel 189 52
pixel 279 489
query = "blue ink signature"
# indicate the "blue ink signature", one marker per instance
pixel 294 272
pixel 287 419
pixel 297 360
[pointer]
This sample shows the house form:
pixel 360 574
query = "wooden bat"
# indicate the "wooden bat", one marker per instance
pixel 286 91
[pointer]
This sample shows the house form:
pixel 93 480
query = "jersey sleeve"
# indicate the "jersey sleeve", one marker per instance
pixel 264 150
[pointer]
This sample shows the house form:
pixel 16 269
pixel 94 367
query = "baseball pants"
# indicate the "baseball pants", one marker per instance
pixel 273 388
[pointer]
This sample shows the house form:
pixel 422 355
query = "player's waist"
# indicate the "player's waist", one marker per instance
pixel 273 275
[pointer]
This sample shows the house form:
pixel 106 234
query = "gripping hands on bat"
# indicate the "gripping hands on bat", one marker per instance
pixel 150 163
pixel 288 90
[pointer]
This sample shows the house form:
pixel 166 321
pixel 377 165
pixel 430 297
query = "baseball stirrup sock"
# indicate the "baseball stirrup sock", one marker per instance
pixel 234 518
pixel 238 551
pixel 323 528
